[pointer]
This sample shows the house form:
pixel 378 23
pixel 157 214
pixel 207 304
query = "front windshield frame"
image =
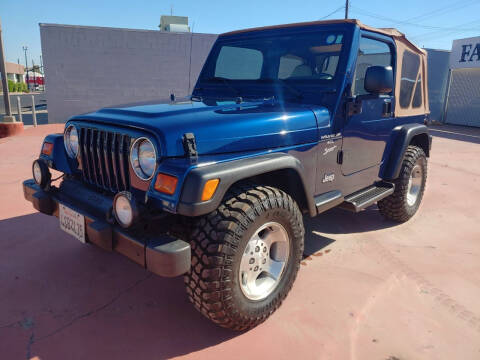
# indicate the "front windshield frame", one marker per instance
pixel 263 86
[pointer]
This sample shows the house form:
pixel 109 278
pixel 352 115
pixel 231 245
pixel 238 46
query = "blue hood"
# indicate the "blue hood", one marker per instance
pixel 219 127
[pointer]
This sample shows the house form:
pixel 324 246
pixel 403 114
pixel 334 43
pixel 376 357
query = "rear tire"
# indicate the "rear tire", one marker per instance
pixel 218 282
pixel 409 187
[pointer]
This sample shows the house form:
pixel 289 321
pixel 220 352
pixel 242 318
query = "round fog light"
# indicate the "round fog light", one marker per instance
pixel 41 175
pixel 124 209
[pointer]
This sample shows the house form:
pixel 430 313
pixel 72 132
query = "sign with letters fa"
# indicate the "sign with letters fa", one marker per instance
pixel 465 53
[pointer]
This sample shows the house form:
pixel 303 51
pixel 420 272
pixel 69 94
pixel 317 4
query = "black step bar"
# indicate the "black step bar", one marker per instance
pixel 368 196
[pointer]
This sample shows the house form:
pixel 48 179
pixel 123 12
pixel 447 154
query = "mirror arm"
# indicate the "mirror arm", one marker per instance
pixel 353 105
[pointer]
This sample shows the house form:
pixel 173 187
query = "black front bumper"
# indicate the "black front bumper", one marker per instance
pixel 156 251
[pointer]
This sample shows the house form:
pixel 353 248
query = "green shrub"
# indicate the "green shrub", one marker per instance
pixel 24 88
pixel 11 86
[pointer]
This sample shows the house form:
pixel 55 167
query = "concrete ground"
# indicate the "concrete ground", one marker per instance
pixel 367 289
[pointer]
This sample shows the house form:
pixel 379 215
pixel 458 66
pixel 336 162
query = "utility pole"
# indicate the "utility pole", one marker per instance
pixel 8 117
pixel 346 9
pixel 34 76
pixel 25 48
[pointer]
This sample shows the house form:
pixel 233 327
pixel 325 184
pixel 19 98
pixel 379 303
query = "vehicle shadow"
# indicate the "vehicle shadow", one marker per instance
pixel 68 300
pixel 321 230
pixel 340 221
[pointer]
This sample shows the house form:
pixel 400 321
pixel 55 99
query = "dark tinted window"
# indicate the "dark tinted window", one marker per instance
pixel 410 66
pixel 417 97
pixel 239 63
pixel 371 53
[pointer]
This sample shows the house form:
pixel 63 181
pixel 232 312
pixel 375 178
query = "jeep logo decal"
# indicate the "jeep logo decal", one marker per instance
pixel 328 177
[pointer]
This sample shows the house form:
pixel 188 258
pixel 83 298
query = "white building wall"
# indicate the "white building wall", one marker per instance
pixel 87 68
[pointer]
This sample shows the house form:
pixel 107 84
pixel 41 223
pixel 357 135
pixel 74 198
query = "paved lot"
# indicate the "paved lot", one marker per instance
pixel 368 288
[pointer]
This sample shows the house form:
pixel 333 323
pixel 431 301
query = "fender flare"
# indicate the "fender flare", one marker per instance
pixel 402 136
pixel 230 172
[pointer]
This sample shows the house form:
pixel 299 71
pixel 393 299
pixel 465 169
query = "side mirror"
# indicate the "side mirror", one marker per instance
pixel 379 79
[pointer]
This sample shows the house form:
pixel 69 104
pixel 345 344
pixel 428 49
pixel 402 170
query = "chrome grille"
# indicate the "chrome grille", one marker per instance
pixel 104 158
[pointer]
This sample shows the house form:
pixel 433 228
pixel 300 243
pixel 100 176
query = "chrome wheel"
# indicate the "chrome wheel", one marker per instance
pixel 414 184
pixel 264 261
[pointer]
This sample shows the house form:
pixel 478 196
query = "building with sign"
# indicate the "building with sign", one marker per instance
pixel 462 105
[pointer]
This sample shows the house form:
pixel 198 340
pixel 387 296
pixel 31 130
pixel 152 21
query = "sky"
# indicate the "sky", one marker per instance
pixel 428 23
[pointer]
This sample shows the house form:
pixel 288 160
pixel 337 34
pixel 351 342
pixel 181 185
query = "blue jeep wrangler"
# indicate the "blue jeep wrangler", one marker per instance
pixel 283 121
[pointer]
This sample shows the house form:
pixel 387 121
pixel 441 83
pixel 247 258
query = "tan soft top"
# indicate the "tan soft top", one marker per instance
pixel 402 44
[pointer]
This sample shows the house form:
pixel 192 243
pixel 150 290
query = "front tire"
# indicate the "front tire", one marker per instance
pixel 245 256
pixel 409 187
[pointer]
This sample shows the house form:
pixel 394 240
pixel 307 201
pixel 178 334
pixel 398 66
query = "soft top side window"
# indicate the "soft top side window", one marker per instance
pixel 370 53
pixel 410 68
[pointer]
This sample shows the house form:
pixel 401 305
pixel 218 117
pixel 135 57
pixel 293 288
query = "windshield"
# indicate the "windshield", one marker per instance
pixel 291 60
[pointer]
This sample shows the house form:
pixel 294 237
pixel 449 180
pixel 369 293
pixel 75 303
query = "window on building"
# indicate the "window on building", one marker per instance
pixel 370 53
pixel 410 67
pixel 239 63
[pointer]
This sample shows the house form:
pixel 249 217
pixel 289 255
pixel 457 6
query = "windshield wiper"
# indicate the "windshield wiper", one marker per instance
pixel 226 82
pixel 298 94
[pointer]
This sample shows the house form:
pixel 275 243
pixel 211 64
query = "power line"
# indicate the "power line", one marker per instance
pixel 440 33
pixel 380 17
pixel 444 10
pixel 333 12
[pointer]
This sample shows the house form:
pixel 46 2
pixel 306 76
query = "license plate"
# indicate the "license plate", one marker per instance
pixel 72 222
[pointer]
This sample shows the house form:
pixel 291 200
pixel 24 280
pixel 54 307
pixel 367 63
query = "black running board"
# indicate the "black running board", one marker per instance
pixel 368 196
pixel 328 200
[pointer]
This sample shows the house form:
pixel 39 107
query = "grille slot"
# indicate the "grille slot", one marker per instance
pixel 104 158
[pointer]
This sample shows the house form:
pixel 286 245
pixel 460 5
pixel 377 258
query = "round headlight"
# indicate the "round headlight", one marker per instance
pixel 37 173
pixel 125 209
pixel 71 141
pixel 41 174
pixel 143 158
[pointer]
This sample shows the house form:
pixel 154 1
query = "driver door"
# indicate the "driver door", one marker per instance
pixel 365 134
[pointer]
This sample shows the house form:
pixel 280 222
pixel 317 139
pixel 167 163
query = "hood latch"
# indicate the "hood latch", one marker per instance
pixel 190 146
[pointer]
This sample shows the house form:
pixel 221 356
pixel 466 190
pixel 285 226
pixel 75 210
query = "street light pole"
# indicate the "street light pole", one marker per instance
pixel 8 117
pixel 346 9
pixel 25 48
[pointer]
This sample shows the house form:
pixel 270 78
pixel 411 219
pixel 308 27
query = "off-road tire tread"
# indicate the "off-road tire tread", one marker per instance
pixel 214 240
pixel 394 207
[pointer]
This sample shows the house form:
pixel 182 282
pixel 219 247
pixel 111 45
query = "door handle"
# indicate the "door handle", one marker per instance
pixel 387 108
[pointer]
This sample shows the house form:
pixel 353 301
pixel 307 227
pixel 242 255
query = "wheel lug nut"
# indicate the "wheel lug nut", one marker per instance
pixel 251 261
pixel 264 261
pixel 264 249
pixel 256 268
pixel 257 248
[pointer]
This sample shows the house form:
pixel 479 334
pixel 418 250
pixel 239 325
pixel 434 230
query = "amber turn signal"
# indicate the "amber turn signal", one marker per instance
pixel 166 183
pixel 47 148
pixel 209 189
